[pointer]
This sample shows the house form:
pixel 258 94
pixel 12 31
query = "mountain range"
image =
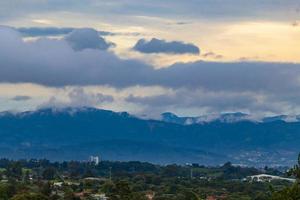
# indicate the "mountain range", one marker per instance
pixel 225 118
pixel 77 133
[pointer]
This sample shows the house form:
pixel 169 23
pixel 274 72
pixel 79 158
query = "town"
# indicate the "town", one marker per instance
pixel 105 180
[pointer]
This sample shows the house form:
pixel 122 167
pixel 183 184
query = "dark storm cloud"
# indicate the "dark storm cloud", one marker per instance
pixel 162 46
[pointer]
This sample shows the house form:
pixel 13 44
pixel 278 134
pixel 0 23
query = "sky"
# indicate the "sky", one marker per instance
pixel 193 58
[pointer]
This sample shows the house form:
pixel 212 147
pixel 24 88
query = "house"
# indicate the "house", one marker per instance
pixel 99 197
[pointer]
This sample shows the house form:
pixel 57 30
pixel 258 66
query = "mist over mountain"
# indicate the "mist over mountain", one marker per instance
pixel 76 133
pixel 225 117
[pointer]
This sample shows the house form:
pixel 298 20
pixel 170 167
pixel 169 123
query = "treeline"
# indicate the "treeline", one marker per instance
pixel 45 180
pixel 75 169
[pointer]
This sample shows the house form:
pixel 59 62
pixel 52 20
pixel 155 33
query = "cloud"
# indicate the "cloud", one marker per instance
pixel 87 38
pixel 54 63
pixel 197 101
pixel 245 59
pixel 78 97
pixel 182 23
pixel 43 31
pixel 21 98
pixel 205 9
pixel 212 55
pixel 256 86
pixel 211 102
pixel 295 24
pixel 162 46
pixel 51 31
pixel 43 21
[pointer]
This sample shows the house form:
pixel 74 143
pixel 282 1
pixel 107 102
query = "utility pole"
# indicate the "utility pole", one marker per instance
pixel 110 173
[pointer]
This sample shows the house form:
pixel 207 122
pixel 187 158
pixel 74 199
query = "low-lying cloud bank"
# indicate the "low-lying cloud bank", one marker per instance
pixel 78 97
pixel 162 46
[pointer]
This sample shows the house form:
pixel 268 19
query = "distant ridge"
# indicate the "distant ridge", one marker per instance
pixel 76 133
pixel 165 117
pixel 225 118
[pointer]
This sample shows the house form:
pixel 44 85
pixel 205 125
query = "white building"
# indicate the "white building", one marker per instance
pixel 268 178
pixel 100 197
pixel 95 159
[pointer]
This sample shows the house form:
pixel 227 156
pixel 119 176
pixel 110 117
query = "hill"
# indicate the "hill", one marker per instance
pixel 76 133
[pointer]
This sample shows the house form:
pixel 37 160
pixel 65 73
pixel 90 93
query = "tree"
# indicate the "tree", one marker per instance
pixel 108 188
pixel 28 196
pixel 293 192
pixel 46 189
pixel 69 195
pixel 190 195
pixel 289 193
pixel 14 170
pixel 49 173
pixel 27 176
pixel 122 191
pixel 3 192
pixel 295 171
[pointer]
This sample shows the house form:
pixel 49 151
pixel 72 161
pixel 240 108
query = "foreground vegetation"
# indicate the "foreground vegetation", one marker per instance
pixel 41 179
